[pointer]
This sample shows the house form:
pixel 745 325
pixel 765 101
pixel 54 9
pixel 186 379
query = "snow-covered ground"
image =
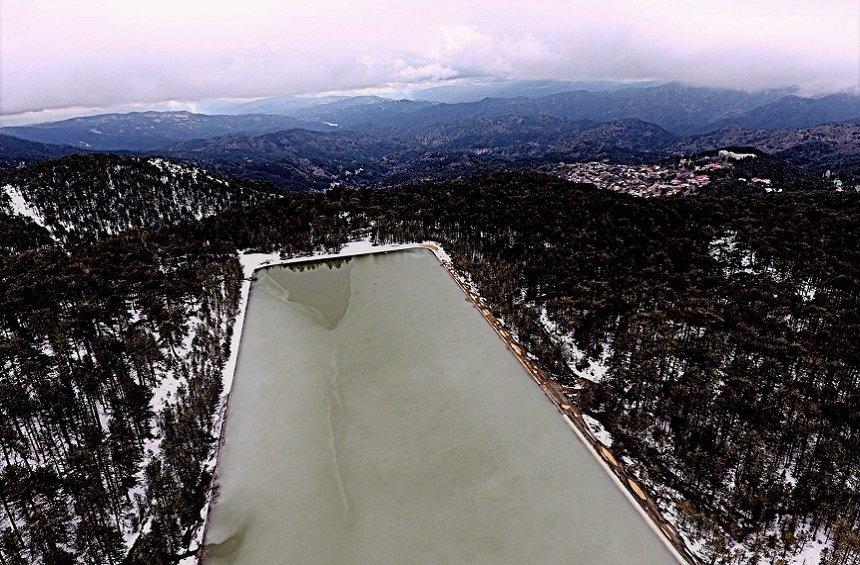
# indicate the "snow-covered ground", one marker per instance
pixel 597 430
pixel 595 369
pixel 20 206
pixel 726 154
pixel 581 364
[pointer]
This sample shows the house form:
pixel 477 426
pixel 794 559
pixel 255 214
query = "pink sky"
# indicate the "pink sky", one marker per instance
pixel 56 54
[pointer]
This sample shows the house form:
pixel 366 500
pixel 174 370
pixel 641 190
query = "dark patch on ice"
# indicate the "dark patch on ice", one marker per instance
pixel 323 289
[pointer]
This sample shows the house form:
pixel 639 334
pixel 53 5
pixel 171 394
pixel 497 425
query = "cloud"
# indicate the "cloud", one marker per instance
pixel 103 53
pixel 424 73
pixel 457 39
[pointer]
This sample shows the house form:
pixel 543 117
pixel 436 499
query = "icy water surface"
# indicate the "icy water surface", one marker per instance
pixel 377 419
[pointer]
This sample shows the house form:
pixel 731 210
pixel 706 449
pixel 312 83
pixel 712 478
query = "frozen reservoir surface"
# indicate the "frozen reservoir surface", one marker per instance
pixel 376 418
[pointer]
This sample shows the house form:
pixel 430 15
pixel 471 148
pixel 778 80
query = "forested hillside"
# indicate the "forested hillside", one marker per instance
pixel 714 338
pixel 82 198
pixel 17 152
pixel 111 358
pixel 112 350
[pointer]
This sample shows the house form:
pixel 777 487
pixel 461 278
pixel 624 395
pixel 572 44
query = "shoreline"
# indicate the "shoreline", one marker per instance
pixel 251 263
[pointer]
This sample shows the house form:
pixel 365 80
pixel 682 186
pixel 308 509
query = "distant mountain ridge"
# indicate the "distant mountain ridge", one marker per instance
pixel 798 112
pixel 367 140
pixel 678 108
pixel 681 110
pixel 144 131
pixel 390 155
pixel 478 89
pixel 362 110
pixel 827 146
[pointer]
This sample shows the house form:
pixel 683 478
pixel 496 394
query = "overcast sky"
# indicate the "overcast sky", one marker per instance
pixel 56 54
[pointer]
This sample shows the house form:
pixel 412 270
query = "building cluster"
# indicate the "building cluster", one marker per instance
pixel 643 180
pixel 683 176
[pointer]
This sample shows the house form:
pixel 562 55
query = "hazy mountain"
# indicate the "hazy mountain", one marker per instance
pixel 492 134
pixel 677 108
pixel 544 138
pixel 798 112
pixel 285 105
pixel 382 155
pixel 311 160
pixel 625 139
pixel 334 111
pixel 143 131
pixel 674 107
pixel 475 90
pixel 366 140
pixel 362 110
pixel 294 158
pixel 374 154
pixel 450 93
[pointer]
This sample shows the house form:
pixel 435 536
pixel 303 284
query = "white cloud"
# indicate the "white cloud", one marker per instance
pixel 423 73
pixel 62 53
pixel 456 39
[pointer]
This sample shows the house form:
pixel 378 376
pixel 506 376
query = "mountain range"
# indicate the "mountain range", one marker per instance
pixel 16 151
pixel 386 155
pixel 683 110
pixel 142 131
pixel 680 109
pixel 368 140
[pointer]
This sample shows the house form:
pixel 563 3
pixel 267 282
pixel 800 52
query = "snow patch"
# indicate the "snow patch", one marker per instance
pixel 20 206
pixel 807 292
pixel 597 430
pixel 726 154
pixel 577 360
pixel 723 245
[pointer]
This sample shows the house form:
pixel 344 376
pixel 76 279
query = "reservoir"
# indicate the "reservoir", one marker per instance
pixel 376 418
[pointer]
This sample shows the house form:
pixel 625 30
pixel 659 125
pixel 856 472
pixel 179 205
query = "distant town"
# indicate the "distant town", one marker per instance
pixel 685 176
